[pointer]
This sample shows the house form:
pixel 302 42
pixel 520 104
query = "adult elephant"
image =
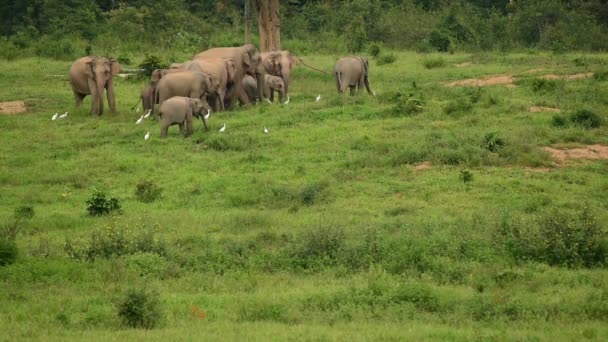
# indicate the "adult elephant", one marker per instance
pixel 186 83
pixel 279 63
pixel 148 94
pixel 272 83
pixel 92 75
pixel 222 69
pixel 246 61
pixel 352 72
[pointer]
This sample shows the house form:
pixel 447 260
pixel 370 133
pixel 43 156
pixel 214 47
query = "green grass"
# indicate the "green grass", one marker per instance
pixel 321 229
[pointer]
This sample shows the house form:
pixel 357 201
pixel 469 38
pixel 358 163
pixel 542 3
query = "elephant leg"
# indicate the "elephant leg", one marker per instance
pixel 352 90
pixel 79 98
pixel 110 95
pixel 271 95
pixel 181 128
pixel 367 86
pixel 163 129
pixel 94 97
pixel 243 98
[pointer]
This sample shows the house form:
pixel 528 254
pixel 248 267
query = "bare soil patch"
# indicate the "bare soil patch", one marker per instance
pixel 585 152
pixel 13 107
pixel 506 80
pixel 538 109
pixel 538 169
pixel 423 166
pixel 568 77
pixel 463 65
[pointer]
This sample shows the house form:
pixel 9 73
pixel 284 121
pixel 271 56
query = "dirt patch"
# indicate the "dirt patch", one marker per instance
pixel 12 107
pixel 568 77
pixel 585 152
pixel 531 71
pixel 538 169
pixel 506 80
pixel 423 166
pixel 463 65
pixel 537 109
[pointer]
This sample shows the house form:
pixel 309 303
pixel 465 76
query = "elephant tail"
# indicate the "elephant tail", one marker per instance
pixel 338 81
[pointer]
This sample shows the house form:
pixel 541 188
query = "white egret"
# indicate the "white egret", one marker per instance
pixel 265 129
pixel 55 116
pixel 147 136
pixel 62 116
pixel 267 100
pixel 148 114
pixel 318 98
pixel 286 102
pixel 208 114
pixel 139 120
pixel 223 128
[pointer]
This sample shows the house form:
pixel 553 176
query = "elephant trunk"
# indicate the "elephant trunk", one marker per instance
pixel 100 87
pixel 285 76
pixel 261 84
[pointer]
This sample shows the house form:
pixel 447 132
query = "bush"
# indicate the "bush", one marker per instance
pixel 8 251
pixel 147 191
pixel 386 59
pixel 601 75
pixel 374 50
pixel 98 205
pixel 319 247
pixel 434 62
pixel 440 41
pixel 140 309
pixel 492 142
pixel 559 120
pixel 356 36
pixel 542 85
pixel 459 106
pixel 116 241
pixel 586 119
pixel 417 294
pixel 406 105
pixel 151 63
pixel 466 176
pixel 9 230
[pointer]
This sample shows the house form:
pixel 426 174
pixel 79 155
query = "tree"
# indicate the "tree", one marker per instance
pixel 269 25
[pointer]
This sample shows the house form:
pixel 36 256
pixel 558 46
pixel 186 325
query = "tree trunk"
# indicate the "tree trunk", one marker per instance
pixel 269 25
pixel 248 21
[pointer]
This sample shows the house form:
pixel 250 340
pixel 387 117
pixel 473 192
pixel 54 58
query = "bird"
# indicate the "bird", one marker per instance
pixel 208 114
pixel 139 120
pixel 318 98
pixel 286 102
pixel 148 114
pixel 374 92
pixel 55 116
pixel 267 100
pixel 62 116
pixel 147 136
pixel 265 129
pixel 223 128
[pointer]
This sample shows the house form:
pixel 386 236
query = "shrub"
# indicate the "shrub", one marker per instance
pixel 459 106
pixel 374 50
pixel 417 294
pixel 559 120
pixel 408 105
pixel 466 176
pixel 543 85
pixel 356 36
pixel 492 142
pixel 386 59
pixel 98 205
pixel 434 62
pixel 150 63
pixel 147 191
pixel 8 251
pixel 140 309
pixel 9 230
pixel 124 60
pixel 601 75
pixel 440 41
pixel 586 119
pixel 320 246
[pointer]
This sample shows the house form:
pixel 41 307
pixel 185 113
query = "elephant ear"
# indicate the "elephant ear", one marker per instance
pixel 293 60
pixel 115 67
pixel 230 69
pixel 89 69
pixel 246 60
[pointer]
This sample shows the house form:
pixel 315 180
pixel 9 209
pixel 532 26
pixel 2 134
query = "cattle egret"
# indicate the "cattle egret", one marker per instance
pixel 147 136
pixel 208 114
pixel 286 102
pixel 139 120
pixel 265 129
pixel 267 100
pixel 62 116
pixel 55 116
pixel 318 98
pixel 223 128
pixel 148 114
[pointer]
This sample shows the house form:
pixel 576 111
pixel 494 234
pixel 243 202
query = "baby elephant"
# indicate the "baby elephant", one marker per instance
pixel 180 110
pixel 272 84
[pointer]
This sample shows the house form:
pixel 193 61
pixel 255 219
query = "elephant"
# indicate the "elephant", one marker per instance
pixel 272 84
pixel 279 63
pixel 185 83
pixel 352 71
pixel 180 110
pixel 223 70
pixel 246 61
pixel 90 76
pixel 148 94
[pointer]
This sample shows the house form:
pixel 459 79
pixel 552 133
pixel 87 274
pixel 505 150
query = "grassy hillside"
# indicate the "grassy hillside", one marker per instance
pixel 327 227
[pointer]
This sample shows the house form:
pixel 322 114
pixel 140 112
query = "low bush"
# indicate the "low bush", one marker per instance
pixel 406 105
pixel 541 85
pixel 434 62
pixel 374 50
pixel 319 247
pixel 150 63
pixel 457 107
pixel 98 205
pixel 492 142
pixel 466 176
pixel 8 251
pixel 440 41
pixel 147 191
pixel 140 309
pixel 586 118
pixel 386 58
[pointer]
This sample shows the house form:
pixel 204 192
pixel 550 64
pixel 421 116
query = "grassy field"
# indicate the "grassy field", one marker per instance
pixel 323 229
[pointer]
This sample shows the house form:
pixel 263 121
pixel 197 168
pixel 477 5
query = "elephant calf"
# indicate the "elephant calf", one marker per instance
pixel 272 84
pixel 180 110
pixel 352 72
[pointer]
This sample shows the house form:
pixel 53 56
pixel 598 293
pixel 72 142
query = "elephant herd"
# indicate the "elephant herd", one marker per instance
pixel 215 79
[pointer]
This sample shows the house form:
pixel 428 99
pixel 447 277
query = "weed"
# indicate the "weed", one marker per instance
pixel 457 107
pixel 466 176
pixel 492 142
pixel 140 309
pixel 387 58
pixel 434 62
pixel 406 105
pixel 586 118
pixel 374 50
pixel 559 120
pixel 150 63
pixel 320 246
pixel 418 294
pixel 600 75
pixel 11 229
pixel 542 85
pixel 98 205
pixel 147 191
pixel 8 251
